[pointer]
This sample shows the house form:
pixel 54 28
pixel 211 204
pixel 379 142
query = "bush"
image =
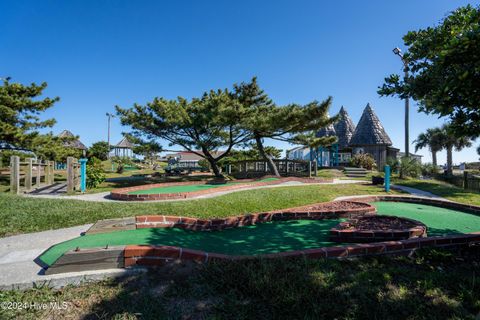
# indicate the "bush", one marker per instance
pixel 95 174
pixel 363 160
pixel 121 162
pixel 409 167
pixel 429 169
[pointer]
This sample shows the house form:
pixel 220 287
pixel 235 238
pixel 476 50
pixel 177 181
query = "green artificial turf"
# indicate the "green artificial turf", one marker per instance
pixel 439 221
pixel 262 238
pixel 189 188
pixel 271 237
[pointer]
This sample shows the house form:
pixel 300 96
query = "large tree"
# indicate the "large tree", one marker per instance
pixel 20 107
pixel 201 125
pixel 265 120
pixel 99 150
pixel 431 139
pixel 443 62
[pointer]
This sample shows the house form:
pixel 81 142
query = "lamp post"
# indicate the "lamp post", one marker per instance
pixel 398 52
pixel 109 115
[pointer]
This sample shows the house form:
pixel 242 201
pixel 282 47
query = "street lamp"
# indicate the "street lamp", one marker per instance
pixel 109 115
pixel 399 53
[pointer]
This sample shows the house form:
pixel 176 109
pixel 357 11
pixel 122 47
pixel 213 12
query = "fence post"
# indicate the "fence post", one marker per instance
pixel 387 178
pixel 28 174
pixel 310 168
pixel 39 174
pixel 83 174
pixel 15 174
pixel 465 180
pixel 70 175
pixel 315 167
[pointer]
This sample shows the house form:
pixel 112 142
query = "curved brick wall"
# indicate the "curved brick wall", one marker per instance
pixel 132 255
pixel 342 234
pixel 122 194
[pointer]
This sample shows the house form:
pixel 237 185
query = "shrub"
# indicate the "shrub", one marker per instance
pixel 363 160
pixel 429 169
pixel 121 162
pixel 409 167
pixel 95 174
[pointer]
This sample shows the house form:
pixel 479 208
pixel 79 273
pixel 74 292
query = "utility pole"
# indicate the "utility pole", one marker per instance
pixel 109 115
pixel 398 52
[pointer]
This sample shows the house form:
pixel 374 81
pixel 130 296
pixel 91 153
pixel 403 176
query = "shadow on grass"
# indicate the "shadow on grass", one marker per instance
pixel 434 285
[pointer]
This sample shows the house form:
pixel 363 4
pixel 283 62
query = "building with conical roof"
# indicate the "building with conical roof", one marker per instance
pixel 368 136
pixel 344 129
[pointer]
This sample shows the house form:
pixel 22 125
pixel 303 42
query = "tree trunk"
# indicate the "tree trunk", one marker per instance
pixel 449 161
pixel 270 163
pixel 215 168
pixel 434 158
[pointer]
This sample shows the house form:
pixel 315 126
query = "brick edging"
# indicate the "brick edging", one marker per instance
pixel 340 234
pixel 159 255
pixel 421 200
pixel 123 193
pixel 304 212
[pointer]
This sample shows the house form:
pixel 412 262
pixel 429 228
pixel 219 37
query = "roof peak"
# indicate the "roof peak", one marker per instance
pixel 369 130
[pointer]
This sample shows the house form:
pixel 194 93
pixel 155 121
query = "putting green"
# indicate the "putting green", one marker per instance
pixel 270 237
pixel 439 221
pixel 262 238
pixel 189 188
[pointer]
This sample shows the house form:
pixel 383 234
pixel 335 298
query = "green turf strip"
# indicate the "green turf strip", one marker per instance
pixel 268 237
pixel 188 188
pixel 250 240
pixel 439 221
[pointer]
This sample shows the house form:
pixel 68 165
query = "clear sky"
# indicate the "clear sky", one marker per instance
pixel 97 54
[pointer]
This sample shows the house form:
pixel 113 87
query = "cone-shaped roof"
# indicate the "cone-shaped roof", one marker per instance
pixel 369 130
pixel 77 144
pixel 344 128
pixel 327 131
pixel 125 143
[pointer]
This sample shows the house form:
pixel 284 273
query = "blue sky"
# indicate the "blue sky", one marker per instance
pixel 98 54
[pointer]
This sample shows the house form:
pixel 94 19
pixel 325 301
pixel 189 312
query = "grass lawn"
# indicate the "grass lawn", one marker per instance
pixel 431 285
pixel 330 173
pixel 443 189
pixel 20 214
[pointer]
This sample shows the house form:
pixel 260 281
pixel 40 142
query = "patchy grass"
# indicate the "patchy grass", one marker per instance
pixel 432 285
pixel 21 214
pixel 443 189
pixel 330 173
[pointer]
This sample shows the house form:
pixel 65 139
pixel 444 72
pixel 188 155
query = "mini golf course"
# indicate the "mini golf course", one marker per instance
pixel 191 188
pixel 273 237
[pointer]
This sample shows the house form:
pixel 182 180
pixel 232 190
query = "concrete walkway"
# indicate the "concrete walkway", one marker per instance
pixel 416 192
pixel 105 196
pixel 19 271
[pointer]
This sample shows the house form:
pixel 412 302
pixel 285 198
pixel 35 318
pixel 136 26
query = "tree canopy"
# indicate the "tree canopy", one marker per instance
pixel 99 150
pixel 20 107
pixel 200 125
pixel 443 62
pixel 265 120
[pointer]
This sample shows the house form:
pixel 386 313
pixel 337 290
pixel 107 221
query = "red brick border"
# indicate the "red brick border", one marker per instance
pixel 341 233
pixel 325 210
pixel 123 193
pixel 159 255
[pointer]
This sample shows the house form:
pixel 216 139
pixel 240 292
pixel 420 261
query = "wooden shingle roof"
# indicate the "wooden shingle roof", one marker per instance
pixel 328 131
pixel 125 144
pixel 75 143
pixel 344 128
pixel 369 130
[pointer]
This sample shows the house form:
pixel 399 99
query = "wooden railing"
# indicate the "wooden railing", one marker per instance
pixel 257 168
pixel 29 174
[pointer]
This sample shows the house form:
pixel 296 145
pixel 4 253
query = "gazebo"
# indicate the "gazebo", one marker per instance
pixel 71 142
pixel 123 149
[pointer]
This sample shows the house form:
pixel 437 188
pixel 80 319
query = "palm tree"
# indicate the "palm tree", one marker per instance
pixel 430 139
pixel 450 142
